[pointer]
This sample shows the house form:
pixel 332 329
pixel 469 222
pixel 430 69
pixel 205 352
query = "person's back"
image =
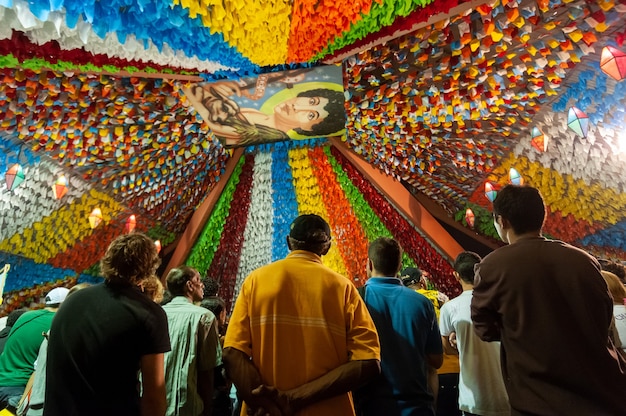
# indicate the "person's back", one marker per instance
pixel 548 304
pixel 17 361
pixel 409 339
pixel 94 351
pixel 300 322
pixel 104 335
pixel 196 349
pixel 481 388
pixel 299 330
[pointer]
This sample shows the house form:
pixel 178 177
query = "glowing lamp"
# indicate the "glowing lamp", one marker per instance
pixel 14 176
pixel 578 121
pixel 470 219
pixel 538 140
pixel 515 178
pixel 613 63
pixel 157 244
pixel 490 193
pixel 59 189
pixel 95 218
pixel 131 223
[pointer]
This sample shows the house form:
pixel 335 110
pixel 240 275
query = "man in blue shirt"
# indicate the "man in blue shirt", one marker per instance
pixel 409 339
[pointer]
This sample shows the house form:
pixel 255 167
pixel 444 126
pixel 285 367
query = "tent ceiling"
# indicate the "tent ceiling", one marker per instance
pixel 93 89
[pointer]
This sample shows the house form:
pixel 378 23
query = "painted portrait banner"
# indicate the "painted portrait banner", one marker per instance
pixel 289 105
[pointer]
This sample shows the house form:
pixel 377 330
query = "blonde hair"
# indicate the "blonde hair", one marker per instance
pixel 152 287
pixel 616 287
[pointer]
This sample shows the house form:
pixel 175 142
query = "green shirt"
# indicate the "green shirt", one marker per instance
pixel 17 361
pixel 195 348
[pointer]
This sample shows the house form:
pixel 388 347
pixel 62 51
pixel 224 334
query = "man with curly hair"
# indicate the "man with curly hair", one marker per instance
pixel 105 335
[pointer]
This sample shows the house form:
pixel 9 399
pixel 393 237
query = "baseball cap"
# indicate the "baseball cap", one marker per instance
pixel 310 228
pixel 56 295
pixel 410 275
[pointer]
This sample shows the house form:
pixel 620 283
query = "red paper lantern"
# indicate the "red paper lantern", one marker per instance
pixel 613 62
pixel 470 219
pixel 131 223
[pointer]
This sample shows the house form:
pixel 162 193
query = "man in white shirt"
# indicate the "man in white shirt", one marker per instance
pixel 481 389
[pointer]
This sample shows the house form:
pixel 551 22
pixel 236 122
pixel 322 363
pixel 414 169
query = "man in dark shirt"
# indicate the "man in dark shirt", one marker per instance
pixel 548 304
pixel 104 335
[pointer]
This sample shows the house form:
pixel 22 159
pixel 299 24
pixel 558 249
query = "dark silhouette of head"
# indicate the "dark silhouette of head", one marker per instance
pixel 309 232
pixel 386 256
pixel 522 207
pixel 464 265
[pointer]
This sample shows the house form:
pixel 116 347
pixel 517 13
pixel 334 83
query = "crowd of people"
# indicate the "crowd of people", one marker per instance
pixel 539 329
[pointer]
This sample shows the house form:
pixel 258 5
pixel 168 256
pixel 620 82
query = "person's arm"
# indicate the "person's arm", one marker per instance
pixel 246 377
pixel 345 378
pixel 153 401
pixel 433 383
pixel 205 390
pixel 485 317
pixel 447 345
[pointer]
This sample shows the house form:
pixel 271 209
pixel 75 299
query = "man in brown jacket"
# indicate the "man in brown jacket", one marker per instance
pixel 547 303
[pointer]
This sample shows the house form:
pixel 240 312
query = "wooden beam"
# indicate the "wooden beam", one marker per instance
pixel 461 8
pixel 201 216
pixel 405 202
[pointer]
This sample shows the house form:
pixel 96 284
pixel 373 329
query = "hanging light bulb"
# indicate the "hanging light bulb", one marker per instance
pixel 470 218
pixel 131 223
pixel 490 193
pixel 157 244
pixel 59 189
pixel 515 178
pixel 14 176
pixel 95 218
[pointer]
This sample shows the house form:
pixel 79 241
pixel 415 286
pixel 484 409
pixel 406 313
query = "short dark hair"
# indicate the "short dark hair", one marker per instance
pixel 522 207
pixel 615 268
pixel 14 316
pixel 211 286
pixel 215 304
pixel 386 255
pixel 178 277
pixel 464 265
pixel 129 259
pixel 336 120
pixel 310 232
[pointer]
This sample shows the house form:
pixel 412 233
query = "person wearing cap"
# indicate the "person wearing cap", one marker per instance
pixel 17 361
pixel 409 337
pixel 105 335
pixel 300 337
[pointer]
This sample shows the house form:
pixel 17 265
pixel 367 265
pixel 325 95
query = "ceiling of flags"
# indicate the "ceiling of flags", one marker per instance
pixel 93 91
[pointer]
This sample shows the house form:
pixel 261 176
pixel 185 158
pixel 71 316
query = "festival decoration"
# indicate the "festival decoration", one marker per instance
pixel 95 218
pixel 490 192
pixel 515 178
pixel 59 189
pixel 578 121
pixel 613 62
pixel 469 217
pixel 157 244
pixel 131 223
pixel 14 176
pixel 538 140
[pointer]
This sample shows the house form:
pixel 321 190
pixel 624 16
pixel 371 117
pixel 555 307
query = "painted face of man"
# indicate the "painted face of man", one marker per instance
pixel 300 112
